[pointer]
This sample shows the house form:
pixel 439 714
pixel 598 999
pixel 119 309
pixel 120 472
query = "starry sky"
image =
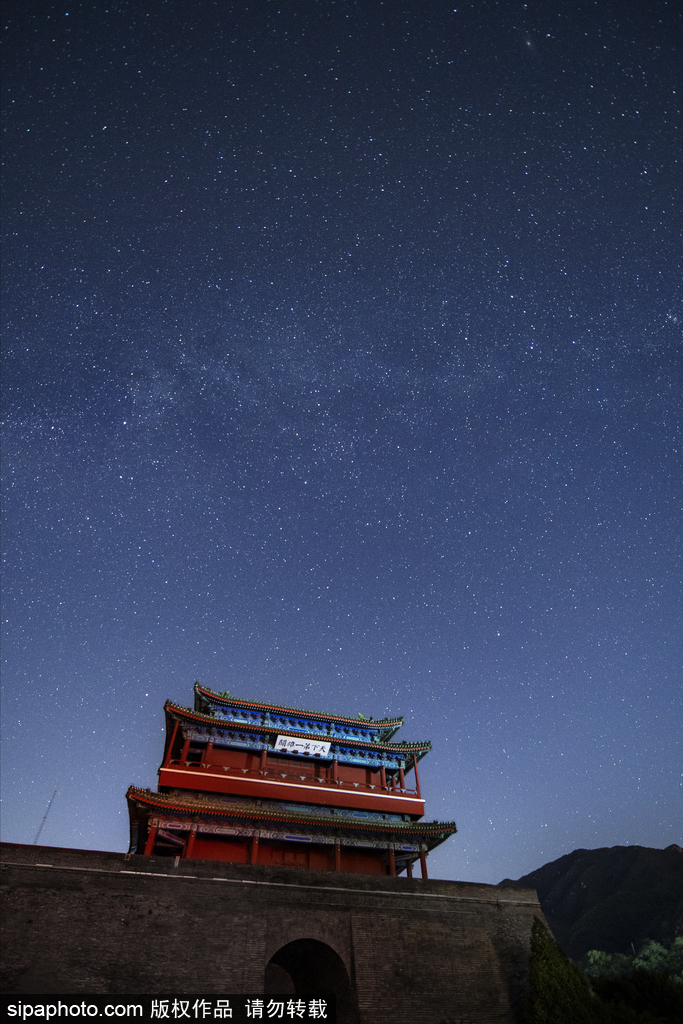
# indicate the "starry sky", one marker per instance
pixel 342 369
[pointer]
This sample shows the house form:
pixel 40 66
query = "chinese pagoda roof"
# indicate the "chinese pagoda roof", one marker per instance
pixel 204 695
pixel 417 750
pixel 201 808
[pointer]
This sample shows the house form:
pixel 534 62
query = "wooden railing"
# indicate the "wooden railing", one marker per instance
pixel 293 776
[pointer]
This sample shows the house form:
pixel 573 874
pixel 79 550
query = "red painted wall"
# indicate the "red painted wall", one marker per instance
pixel 314 858
pixel 234 851
pixel 356 862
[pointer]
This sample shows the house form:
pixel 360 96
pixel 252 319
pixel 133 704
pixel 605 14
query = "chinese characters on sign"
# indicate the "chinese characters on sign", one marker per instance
pixel 312 748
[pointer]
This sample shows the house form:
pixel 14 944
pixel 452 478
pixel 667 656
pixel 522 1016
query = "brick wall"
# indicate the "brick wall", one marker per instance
pixel 414 950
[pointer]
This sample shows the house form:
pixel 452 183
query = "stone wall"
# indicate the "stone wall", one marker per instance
pixel 413 950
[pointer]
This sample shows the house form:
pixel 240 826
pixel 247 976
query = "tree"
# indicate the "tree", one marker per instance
pixel 558 992
pixel 600 964
pixel 652 956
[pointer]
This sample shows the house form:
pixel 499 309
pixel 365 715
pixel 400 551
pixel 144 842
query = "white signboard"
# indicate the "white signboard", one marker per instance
pixel 309 748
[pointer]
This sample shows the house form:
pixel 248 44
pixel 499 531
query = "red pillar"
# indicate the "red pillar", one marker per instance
pixel 392 862
pixel 402 778
pixel 186 749
pixel 383 778
pixel 170 746
pixel 264 758
pixel 409 868
pixel 207 753
pixel 149 845
pixel 190 843
pixel 254 851
pixel 337 855
pixel 423 864
pixel 334 770
pixel 417 780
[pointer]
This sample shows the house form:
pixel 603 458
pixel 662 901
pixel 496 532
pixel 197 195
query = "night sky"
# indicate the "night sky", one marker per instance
pixel 342 369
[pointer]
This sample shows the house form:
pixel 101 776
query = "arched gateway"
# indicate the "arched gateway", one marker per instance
pixel 307 967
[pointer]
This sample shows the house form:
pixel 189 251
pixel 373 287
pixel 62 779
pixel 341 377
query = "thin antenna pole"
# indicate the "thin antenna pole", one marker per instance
pixel 40 828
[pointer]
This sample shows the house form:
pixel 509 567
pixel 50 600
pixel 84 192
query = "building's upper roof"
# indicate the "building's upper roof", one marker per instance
pixel 250 729
pixel 206 701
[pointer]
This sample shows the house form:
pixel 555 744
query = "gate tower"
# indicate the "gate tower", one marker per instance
pixel 257 783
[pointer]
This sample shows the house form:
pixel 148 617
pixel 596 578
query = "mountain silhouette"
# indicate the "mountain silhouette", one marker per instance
pixel 611 899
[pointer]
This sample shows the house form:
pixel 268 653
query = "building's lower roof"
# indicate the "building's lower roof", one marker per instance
pixel 198 809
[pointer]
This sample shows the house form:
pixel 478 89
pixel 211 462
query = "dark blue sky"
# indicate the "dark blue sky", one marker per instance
pixel 342 369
